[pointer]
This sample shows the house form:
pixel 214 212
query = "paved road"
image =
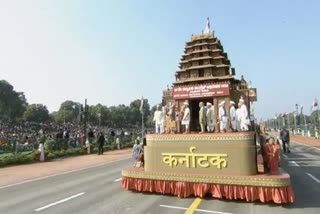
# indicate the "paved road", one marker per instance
pixel 97 190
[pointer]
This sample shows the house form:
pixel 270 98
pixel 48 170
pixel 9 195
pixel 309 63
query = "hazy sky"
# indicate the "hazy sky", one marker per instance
pixel 112 52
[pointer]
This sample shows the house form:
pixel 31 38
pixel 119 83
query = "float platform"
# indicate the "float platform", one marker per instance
pixel 218 165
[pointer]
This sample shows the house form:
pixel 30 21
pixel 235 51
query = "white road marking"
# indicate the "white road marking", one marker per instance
pixel 294 163
pixel 313 177
pixel 209 211
pixel 285 156
pixel 63 173
pixel 198 210
pixel 119 179
pixel 308 146
pixel 59 202
pixel 174 207
pixel 302 159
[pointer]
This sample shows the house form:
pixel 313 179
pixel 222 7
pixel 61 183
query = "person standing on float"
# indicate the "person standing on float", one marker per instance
pixel 178 119
pixel 273 153
pixel 135 151
pixel 222 117
pixel 157 117
pixel 202 117
pixel 186 117
pixel 210 117
pixel 238 118
pixel 233 116
pixel 244 118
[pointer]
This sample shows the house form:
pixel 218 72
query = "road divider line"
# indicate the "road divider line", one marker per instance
pixel 294 163
pixel 63 173
pixel 313 178
pixel 59 202
pixel 119 179
pixel 198 210
pixel 193 206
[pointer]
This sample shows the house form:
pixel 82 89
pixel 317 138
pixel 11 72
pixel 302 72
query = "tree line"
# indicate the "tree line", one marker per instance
pixel 15 108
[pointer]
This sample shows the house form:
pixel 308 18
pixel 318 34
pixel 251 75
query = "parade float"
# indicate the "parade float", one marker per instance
pixel 223 163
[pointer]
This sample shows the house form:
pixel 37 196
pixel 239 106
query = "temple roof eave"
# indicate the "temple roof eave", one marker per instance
pixel 202 66
pixel 202 51
pixel 221 78
pixel 201 44
pixel 202 58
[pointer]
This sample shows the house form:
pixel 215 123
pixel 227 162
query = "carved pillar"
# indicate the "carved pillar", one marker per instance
pixel 227 108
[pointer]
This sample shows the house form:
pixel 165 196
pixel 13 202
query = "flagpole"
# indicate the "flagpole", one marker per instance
pixel 295 123
pixel 142 127
pixel 142 119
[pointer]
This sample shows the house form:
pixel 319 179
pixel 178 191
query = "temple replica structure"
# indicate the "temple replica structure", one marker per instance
pixel 223 163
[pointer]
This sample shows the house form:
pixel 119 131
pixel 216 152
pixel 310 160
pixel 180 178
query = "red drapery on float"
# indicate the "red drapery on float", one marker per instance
pixel 232 192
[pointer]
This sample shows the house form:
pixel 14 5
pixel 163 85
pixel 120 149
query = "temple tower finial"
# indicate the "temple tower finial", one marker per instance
pixel 207 27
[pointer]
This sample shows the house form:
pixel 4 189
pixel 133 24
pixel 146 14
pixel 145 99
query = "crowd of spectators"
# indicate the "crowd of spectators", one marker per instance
pixel 29 135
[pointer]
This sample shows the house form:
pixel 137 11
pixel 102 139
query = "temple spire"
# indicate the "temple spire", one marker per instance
pixel 207 27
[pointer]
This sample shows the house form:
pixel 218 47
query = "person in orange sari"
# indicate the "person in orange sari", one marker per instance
pixel 273 154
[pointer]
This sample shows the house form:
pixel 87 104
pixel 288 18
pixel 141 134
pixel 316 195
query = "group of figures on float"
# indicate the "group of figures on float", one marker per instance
pixel 171 120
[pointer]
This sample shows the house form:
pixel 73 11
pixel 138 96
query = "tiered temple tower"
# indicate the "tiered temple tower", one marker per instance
pixel 205 74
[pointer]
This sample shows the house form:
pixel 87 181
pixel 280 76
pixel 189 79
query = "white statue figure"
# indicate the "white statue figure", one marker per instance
pixel 210 117
pixel 41 150
pixel 244 118
pixel 233 116
pixel 186 117
pixel 238 118
pixel 157 118
pixel 223 119
pixel 202 117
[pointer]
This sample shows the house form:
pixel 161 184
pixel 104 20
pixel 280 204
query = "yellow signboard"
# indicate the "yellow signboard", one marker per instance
pixel 192 160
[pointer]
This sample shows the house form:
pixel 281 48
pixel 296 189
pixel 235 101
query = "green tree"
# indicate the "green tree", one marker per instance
pixel 36 113
pixel 99 114
pixel 69 112
pixel 315 117
pixel 135 113
pixel 12 103
pixel 119 116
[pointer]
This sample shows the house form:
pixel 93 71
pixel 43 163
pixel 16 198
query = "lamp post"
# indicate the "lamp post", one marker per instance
pixel 85 120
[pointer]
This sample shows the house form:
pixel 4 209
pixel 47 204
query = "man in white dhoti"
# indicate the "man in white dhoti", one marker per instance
pixel 223 119
pixel 238 118
pixel 202 117
pixel 157 118
pixel 186 117
pixel 233 116
pixel 210 117
pixel 244 118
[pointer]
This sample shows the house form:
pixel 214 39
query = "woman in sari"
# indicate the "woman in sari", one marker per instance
pixel 135 151
pixel 273 155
